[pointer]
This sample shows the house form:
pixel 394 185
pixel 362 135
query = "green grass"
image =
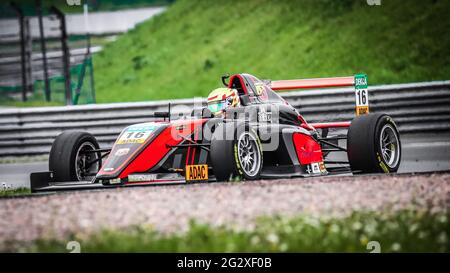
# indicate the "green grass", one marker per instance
pixel 406 231
pixel 183 52
pixel 23 159
pixel 33 103
pixel 37 99
pixel 14 192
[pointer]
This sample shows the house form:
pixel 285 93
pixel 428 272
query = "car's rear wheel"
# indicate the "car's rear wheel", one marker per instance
pixel 236 152
pixel 72 157
pixel 373 144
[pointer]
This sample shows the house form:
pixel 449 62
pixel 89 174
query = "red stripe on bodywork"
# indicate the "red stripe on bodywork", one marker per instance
pixel 330 124
pixel 307 126
pixel 193 156
pixel 195 149
pixel 187 155
pixel 312 83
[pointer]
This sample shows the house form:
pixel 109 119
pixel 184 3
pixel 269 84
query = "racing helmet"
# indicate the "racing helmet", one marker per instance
pixel 221 99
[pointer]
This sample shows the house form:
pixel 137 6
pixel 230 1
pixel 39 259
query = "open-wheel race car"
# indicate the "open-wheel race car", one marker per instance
pixel 263 136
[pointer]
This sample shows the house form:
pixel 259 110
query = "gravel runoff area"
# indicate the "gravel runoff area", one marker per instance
pixel 237 204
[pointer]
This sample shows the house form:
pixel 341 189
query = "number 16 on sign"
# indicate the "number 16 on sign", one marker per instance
pixel 361 94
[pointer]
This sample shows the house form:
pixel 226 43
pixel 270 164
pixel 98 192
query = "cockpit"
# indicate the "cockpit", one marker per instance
pixel 253 90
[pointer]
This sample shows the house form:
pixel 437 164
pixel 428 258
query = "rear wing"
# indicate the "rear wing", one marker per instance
pixel 359 82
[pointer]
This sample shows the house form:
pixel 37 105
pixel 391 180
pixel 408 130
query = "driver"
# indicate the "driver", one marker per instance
pixel 221 99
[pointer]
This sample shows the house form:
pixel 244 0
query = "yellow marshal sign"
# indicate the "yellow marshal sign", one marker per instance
pixel 362 110
pixel 196 172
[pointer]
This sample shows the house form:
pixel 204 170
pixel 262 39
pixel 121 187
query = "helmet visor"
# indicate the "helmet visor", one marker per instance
pixel 216 106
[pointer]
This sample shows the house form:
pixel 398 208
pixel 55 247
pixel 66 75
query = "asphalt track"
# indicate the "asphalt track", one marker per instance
pixel 170 208
pixel 421 153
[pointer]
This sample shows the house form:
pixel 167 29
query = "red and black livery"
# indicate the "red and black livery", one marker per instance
pixel 263 138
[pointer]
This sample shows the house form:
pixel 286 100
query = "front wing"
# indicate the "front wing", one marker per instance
pixel 44 181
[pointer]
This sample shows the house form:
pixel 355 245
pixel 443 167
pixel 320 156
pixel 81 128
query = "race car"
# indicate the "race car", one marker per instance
pixel 260 137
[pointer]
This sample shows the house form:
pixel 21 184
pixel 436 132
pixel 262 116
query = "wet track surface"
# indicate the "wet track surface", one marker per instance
pixel 420 154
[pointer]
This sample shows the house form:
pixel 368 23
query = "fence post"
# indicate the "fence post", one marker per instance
pixel 43 49
pixel 28 54
pixel 91 78
pixel 88 57
pixel 66 54
pixel 21 16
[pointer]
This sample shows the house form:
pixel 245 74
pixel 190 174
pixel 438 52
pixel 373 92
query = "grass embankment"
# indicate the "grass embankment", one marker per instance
pixel 405 231
pixel 183 52
pixel 14 192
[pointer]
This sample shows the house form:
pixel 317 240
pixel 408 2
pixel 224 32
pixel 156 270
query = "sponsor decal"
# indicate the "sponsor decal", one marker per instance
pixel 382 165
pixel 316 168
pixel 121 152
pixel 236 159
pixel 259 89
pixel 135 134
pixel 313 168
pixel 141 128
pixel 196 172
pixel 142 177
pixel 361 81
pixel 114 181
pixel 322 167
pixel 362 110
pixel 308 169
pixel 264 116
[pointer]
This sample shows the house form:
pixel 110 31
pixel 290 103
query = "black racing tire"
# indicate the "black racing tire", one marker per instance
pixel 67 150
pixel 232 156
pixel 370 140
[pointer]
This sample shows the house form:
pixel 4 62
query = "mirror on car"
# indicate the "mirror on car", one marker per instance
pixel 245 100
pixel 202 113
pixel 163 115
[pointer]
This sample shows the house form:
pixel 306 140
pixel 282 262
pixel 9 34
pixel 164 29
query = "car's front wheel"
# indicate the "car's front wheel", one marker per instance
pixel 73 157
pixel 373 144
pixel 236 152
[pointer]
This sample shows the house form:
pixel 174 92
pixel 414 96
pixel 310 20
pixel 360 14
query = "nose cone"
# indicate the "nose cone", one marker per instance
pixel 131 141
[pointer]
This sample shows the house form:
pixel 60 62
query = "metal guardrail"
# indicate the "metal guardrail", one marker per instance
pixel 416 107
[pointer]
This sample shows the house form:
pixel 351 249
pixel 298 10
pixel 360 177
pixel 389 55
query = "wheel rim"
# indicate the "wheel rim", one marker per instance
pixel 390 146
pixel 84 168
pixel 249 154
